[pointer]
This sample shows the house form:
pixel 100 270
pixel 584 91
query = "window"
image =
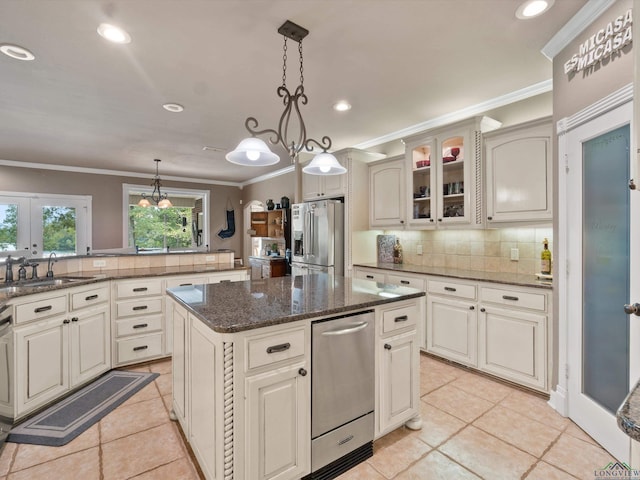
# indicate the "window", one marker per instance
pixel 180 227
pixel 36 225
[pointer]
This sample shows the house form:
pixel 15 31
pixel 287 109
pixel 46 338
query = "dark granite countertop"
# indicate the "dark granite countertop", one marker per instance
pixel 238 306
pixel 628 415
pixel 86 279
pixel 495 277
pixel 268 257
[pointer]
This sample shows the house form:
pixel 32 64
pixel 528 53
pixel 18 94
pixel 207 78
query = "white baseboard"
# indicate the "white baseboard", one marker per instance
pixel 558 401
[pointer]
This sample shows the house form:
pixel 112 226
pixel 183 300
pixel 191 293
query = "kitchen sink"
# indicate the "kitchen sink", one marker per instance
pixel 27 285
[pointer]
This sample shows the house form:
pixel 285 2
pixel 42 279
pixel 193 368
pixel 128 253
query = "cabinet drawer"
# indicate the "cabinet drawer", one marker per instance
pixel 144 306
pixel 139 288
pixel 139 348
pixel 534 301
pixel 373 276
pixel 41 309
pixel 399 318
pixel 272 348
pixel 89 297
pixel 460 290
pixel 187 281
pixel 412 282
pixel 136 326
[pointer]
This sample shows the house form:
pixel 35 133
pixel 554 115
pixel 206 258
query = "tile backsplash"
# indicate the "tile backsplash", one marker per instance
pixel 477 250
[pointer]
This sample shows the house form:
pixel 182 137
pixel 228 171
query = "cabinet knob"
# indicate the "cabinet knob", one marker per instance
pixel 74 319
pixel 431 220
pixel 489 218
pixel 387 346
pixel 401 221
pixel 439 219
pixel 302 372
pixel 482 310
pixel 472 307
pixel 65 321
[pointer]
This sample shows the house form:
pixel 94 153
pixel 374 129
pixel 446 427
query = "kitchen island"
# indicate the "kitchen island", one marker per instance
pixel 242 367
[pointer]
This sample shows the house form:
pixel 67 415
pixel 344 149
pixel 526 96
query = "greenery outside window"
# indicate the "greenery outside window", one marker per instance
pixel 36 225
pixel 180 227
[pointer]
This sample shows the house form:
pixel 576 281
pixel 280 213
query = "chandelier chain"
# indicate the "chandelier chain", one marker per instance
pixel 301 67
pixel 284 63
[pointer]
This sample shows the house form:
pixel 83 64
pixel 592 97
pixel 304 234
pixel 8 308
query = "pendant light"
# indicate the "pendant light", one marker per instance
pixel 161 199
pixel 254 152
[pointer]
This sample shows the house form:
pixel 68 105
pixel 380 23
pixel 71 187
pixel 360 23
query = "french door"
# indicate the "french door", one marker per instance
pixel 601 244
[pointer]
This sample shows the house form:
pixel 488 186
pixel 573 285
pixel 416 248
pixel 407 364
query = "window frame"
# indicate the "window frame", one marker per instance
pixel 30 224
pixel 129 189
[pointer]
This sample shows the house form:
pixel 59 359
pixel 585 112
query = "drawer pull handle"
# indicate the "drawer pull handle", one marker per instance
pixel 142 347
pixel 91 297
pixel 140 307
pixel 405 282
pixel 370 276
pixel 343 441
pixel 141 325
pixel 140 289
pixel 43 309
pixel 403 318
pixel 186 284
pixel 510 297
pixel 450 289
pixel 279 348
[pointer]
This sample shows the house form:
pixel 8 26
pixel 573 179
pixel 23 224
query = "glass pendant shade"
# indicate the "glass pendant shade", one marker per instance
pixel 164 203
pixel 144 202
pixel 324 164
pixel 252 152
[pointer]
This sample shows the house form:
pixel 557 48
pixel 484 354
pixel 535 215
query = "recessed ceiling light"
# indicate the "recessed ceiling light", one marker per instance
pixel 14 51
pixel 173 107
pixel 533 8
pixel 342 106
pixel 113 34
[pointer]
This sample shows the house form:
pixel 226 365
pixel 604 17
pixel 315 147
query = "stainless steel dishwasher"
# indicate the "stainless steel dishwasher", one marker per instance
pixel 342 393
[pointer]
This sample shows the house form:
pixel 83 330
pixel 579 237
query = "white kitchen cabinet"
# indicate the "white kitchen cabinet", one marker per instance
pixel 90 331
pixel 315 187
pixel 179 371
pixel 444 176
pixel 387 193
pixel 512 335
pixel 398 366
pixel 278 430
pixel 519 174
pixel 205 398
pixel 138 320
pixel 452 321
pixel 42 362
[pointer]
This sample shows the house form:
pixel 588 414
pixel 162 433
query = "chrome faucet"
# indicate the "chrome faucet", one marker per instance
pixel 49 264
pixel 8 274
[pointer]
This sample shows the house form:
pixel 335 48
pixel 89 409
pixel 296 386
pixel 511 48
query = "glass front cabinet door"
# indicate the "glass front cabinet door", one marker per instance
pixel 444 177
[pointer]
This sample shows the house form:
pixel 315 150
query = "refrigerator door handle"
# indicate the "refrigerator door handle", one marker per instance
pixel 312 247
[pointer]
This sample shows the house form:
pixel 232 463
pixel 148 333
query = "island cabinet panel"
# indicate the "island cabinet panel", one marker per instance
pixel 205 420
pixel 179 363
pixel 398 365
pixel 277 424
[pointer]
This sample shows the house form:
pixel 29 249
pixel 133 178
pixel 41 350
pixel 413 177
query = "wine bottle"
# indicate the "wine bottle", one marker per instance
pixel 397 252
pixel 545 258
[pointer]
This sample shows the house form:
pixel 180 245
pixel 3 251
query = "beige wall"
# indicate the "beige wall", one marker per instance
pixel 106 192
pixel 274 188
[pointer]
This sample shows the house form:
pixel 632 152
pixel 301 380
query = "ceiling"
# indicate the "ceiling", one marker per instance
pixel 85 102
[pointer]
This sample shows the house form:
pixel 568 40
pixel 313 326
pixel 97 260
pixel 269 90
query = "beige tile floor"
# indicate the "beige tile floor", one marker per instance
pixel 474 427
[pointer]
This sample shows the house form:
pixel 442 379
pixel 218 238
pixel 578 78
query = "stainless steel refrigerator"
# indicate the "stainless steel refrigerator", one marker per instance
pixel 317 237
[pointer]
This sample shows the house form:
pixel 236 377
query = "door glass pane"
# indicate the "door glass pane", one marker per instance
pixel 8 226
pixel 59 230
pixel 605 253
pixel 453 177
pixel 421 175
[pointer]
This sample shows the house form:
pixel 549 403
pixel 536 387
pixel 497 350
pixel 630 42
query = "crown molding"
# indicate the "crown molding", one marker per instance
pixel 522 94
pixel 270 175
pixel 116 173
pixel 574 27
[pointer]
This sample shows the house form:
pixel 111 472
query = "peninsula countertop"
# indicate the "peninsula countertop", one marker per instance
pixel 238 306
pixel 495 277
pixel 81 278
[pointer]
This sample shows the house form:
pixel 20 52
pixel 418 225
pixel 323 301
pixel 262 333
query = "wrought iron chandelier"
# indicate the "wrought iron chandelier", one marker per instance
pixel 255 152
pixel 160 199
